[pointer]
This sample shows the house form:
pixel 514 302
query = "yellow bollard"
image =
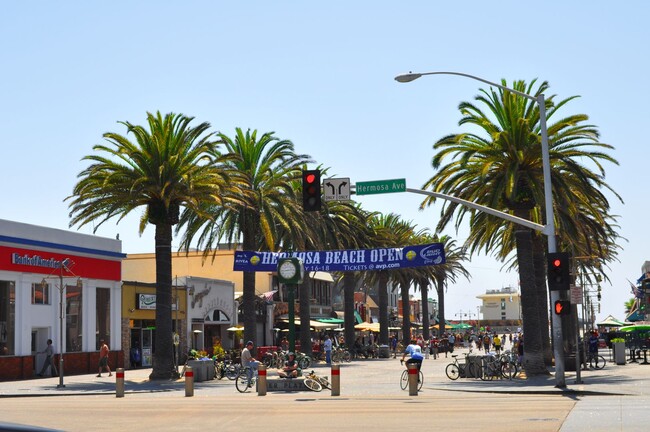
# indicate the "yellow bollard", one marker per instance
pixel 261 380
pixel 413 379
pixel 189 381
pixel 336 380
pixel 119 382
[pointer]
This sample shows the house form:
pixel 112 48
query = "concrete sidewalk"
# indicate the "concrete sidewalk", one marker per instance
pixel 632 379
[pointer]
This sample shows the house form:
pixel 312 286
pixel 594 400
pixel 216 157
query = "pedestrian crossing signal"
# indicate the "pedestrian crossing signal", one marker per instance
pixel 562 307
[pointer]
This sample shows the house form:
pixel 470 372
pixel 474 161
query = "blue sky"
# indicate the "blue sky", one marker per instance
pixel 321 75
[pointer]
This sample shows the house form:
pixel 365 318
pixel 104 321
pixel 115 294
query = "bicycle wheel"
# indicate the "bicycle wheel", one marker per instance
pixel 452 371
pixel 508 370
pixel 420 380
pixel 404 381
pixel 313 385
pixel 325 383
pixel 597 362
pixel 242 383
pixel 347 357
pixel 232 372
pixel 304 363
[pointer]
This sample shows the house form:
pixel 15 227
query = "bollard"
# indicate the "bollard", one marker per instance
pixel 189 382
pixel 336 380
pixel 413 379
pixel 261 380
pixel 119 382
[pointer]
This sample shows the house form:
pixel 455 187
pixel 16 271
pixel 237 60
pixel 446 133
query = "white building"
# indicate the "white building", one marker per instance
pixel 501 305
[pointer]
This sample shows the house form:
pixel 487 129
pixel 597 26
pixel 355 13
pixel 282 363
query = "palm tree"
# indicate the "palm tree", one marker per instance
pixel 629 305
pixel 503 170
pixel 448 272
pixel 166 167
pixel 385 230
pixel 267 204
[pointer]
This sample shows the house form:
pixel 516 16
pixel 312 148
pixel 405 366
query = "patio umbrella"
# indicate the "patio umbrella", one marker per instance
pixel 235 328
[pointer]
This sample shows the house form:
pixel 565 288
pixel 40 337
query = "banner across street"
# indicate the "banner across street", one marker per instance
pixel 346 260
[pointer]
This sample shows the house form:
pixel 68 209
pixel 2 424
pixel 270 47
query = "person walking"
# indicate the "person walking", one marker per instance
pixel 103 359
pixel 49 360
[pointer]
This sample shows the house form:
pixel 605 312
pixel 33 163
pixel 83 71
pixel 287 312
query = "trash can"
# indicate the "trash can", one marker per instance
pixel 384 351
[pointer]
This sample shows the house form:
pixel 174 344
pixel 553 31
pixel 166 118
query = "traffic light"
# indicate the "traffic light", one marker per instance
pixel 559 277
pixel 311 199
pixel 562 307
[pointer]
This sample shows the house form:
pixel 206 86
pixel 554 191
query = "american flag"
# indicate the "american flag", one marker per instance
pixel 638 293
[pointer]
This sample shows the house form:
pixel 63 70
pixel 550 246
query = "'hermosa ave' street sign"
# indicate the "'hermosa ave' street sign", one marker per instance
pixel 381 186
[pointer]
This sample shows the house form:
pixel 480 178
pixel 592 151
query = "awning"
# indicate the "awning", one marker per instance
pixel 367 327
pixel 315 324
pixel 321 276
pixel 357 317
pixel 331 320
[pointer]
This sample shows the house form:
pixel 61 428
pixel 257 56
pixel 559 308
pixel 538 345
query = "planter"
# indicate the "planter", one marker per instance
pixel 619 352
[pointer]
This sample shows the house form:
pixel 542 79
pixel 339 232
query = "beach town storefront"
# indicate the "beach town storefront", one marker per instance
pixel 202 311
pixel 44 272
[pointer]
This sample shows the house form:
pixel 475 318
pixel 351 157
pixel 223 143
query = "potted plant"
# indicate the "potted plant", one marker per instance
pixel 618 345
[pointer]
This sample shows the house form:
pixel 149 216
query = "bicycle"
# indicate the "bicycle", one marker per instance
pixel 456 370
pixel 315 383
pixel 491 368
pixel 596 361
pixel 404 380
pixel 241 383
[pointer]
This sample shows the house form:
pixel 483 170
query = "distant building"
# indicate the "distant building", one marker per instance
pixel 501 307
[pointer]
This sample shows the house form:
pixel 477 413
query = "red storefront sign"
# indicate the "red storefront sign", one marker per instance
pixel 49 263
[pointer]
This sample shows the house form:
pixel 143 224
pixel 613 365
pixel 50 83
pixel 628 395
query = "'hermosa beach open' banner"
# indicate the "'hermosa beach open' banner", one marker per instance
pixel 346 260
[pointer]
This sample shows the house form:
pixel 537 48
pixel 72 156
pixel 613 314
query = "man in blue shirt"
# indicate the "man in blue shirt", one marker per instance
pixel 415 352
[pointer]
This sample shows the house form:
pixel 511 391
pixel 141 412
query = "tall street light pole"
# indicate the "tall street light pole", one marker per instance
pixel 549 229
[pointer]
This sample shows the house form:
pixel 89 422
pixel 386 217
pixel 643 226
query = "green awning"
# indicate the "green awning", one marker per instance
pixel 331 320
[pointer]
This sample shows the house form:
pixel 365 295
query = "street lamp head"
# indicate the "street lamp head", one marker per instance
pixel 404 78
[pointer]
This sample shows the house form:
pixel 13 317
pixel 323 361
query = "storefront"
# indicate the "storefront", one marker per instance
pixel 139 322
pixel 202 311
pixel 58 285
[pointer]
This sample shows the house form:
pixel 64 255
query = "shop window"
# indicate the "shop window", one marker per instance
pixel 73 318
pixel 103 316
pixel 503 304
pixel 41 293
pixel 7 317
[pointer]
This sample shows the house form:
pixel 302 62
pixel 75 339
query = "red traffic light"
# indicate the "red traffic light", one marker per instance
pixel 311 197
pixel 557 263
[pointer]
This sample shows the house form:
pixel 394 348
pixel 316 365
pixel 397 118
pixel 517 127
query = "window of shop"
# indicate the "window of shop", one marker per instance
pixel 73 316
pixel 40 293
pixel 103 316
pixel 503 304
pixel 7 317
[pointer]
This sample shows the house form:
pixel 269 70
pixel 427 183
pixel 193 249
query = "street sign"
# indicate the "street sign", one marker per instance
pixel 381 187
pixel 336 189
pixel 576 294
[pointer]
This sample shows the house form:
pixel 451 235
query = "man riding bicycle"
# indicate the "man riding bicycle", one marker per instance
pixel 415 352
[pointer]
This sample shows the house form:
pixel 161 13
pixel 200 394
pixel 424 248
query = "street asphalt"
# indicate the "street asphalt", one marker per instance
pixel 614 398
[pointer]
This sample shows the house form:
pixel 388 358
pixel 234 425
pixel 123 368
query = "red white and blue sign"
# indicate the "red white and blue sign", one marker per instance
pixel 346 260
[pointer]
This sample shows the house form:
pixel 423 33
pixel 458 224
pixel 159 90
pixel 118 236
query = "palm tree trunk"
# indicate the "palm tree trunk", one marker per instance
pixel 383 307
pixel 163 356
pixel 542 294
pixel 348 306
pixel 248 307
pixel 424 291
pixel 533 351
pixel 406 313
pixel 440 288
pixel 305 316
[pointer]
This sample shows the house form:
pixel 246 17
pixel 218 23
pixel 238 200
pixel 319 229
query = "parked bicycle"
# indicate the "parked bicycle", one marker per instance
pixel 457 370
pixel 316 383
